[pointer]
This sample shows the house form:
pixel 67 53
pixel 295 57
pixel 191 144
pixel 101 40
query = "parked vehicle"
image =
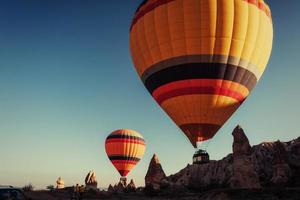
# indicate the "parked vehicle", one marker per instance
pixel 11 193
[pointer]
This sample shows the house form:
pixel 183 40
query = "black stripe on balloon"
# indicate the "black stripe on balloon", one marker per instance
pixel 125 137
pixel 126 158
pixel 201 71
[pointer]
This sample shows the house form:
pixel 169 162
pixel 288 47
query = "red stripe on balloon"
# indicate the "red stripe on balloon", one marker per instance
pixel 124 162
pixel 195 86
pixel 151 6
pixel 147 9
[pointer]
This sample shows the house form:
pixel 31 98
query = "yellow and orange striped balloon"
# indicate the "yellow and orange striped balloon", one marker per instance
pixel 200 59
pixel 125 148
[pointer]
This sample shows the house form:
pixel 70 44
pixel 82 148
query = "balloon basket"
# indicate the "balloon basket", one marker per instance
pixel 123 179
pixel 200 157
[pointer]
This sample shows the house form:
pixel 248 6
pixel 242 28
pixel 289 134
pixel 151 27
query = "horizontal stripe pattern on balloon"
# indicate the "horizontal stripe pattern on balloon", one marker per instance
pixel 199 132
pixel 125 138
pixel 200 59
pixel 201 86
pixel 149 5
pixel 125 148
pixel 121 157
pixel 201 71
pixel 200 109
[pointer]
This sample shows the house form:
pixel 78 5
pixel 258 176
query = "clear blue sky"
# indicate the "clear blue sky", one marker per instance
pixel 67 81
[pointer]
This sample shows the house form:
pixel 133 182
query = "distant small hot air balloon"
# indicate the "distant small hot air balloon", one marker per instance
pixel 125 148
pixel 200 59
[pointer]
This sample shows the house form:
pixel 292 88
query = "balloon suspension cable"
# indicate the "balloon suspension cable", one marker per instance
pixel 198 145
pixel 204 147
pixel 207 144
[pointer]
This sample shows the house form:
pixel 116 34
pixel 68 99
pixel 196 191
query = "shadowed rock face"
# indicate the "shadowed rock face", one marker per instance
pixel 276 163
pixel 122 187
pixel 266 164
pixel 202 176
pixel 155 173
pixel 110 188
pixel 131 186
pixel 240 146
pixel 118 188
pixel 242 162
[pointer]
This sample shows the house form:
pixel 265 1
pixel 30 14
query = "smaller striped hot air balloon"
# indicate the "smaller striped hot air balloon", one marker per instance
pixel 125 148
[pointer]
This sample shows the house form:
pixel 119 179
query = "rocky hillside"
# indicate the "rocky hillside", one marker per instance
pixel 272 164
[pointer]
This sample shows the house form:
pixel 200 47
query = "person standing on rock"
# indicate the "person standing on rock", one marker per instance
pixel 75 194
pixel 81 191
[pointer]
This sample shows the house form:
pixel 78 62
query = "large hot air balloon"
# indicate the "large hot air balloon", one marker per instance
pixel 200 59
pixel 125 148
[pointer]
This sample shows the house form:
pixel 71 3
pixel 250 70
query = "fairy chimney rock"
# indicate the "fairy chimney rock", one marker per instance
pixel 110 188
pixel 155 173
pixel 241 144
pixel 91 181
pixel 131 186
pixel 244 175
pixel 60 184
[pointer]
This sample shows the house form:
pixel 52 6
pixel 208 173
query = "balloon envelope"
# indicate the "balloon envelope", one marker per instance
pixel 200 59
pixel 125 148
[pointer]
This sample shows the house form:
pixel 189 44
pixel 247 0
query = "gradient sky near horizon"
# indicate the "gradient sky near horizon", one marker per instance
pixel 67 81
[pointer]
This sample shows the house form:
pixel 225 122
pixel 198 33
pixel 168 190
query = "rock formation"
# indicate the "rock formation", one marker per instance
pixel 110 188
pixel 155 173
pixel 130 187
pixel 115 187
pixel 60 184
pixel 122 186
pixel 91 181
pixel 242 162
pixel 263 165
pixel 281 169
pixel 240 146
pixel 215 173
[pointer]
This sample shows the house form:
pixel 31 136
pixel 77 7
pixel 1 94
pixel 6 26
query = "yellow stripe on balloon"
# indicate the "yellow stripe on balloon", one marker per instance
pixel 225 27
pixel 207 109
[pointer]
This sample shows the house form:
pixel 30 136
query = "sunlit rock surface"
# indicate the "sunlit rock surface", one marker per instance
pixel 91 181
pixel 60 184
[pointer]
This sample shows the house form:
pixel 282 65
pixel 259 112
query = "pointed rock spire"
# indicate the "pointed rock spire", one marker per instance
pixel 241 144
pixel 110 188
pixel 155 173
pixel 131 186
pixel 242 162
